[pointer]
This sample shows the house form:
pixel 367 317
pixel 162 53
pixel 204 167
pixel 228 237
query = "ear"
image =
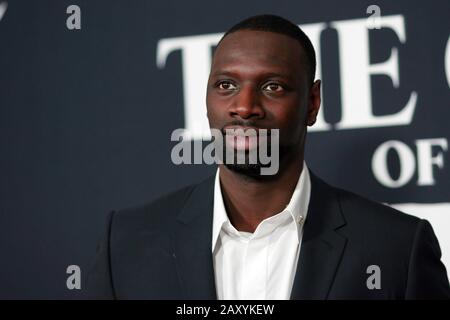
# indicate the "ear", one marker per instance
pixel 314 103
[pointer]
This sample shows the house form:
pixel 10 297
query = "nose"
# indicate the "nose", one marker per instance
pixel 246 104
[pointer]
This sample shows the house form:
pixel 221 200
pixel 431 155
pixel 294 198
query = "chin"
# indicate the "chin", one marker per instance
pixel 251 171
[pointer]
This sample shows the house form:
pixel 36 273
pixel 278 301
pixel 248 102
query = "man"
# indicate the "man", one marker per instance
pixel 241 235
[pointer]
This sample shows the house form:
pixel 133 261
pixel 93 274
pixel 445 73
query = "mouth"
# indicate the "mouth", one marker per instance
pixel 243 138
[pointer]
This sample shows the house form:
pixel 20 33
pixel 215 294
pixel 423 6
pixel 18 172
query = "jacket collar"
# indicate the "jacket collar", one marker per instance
pixel 322 246
pixel 320 254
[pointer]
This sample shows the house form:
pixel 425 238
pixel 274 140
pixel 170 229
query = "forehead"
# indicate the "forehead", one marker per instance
pixel 248 49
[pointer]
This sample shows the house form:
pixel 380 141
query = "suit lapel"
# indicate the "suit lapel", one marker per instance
pixel 321 250
pixel 322 247
pixel 192 243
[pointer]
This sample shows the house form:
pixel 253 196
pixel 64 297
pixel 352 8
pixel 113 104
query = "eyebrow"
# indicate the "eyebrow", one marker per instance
pixel 264 74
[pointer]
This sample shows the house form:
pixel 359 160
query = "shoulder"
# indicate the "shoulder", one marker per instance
pixel 378 229
pixel 157 214
pixel 361 210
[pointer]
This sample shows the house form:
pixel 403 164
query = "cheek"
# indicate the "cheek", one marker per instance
pixel 291 122
pixel 213 112
pixel 209 106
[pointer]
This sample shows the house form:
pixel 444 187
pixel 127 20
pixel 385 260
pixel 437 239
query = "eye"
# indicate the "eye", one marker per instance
pixel 226 85
pixel 273 87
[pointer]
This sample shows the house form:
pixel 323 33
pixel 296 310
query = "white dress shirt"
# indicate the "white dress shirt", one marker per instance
pixel 259 265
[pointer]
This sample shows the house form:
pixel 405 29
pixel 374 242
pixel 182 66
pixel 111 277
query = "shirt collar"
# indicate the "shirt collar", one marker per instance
pixel 297 206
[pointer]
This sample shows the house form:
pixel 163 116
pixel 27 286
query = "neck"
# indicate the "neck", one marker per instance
pixel 249 201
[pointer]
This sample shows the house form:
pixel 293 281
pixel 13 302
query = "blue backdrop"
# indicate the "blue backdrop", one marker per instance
pixel 89 96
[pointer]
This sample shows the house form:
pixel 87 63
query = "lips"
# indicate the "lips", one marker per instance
pixel 239 129
pixel 241 137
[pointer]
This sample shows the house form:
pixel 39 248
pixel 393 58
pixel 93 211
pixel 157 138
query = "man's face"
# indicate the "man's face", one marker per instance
pixel 258 79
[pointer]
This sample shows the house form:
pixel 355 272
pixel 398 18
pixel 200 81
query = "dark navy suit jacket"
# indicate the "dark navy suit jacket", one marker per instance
pixel 163 250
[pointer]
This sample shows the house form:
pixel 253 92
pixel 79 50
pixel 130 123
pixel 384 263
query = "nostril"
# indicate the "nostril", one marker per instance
pixel 246 104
